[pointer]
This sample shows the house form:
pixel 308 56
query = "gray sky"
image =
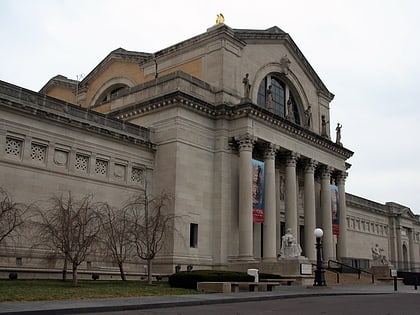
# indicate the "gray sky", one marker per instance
pixel 366 52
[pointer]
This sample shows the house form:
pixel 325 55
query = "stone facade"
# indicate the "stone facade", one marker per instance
pixel 193 118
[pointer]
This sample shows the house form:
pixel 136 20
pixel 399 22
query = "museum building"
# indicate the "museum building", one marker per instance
pixel 234 123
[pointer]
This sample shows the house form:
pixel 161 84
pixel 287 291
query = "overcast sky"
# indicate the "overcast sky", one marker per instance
pixel 366 52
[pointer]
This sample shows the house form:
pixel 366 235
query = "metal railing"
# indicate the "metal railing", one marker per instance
pixel 339 268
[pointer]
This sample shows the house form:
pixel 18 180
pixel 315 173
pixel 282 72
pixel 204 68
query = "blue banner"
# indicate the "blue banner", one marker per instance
pixel 335 210
pixel 258 191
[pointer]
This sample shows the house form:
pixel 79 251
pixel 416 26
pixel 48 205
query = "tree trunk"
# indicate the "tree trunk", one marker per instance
pixel 74 274
pixel 65 269
pixel 149 271
pixel 123 277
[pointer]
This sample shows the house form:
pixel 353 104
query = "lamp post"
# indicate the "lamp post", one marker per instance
pixel 319 272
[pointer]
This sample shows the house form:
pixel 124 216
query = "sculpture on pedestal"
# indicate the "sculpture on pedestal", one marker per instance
pixel 378 256
pixel 289 246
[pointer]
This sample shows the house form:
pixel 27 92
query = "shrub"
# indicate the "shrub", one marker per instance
pixel 13 276
pixel 188 280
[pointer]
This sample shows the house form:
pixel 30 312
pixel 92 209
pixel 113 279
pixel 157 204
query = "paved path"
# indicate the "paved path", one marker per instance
pixel 153 302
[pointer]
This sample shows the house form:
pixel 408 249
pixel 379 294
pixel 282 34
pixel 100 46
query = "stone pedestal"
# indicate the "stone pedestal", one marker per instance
pixel 381 271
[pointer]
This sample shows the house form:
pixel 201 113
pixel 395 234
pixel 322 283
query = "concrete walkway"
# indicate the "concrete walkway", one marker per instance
pixel 153 302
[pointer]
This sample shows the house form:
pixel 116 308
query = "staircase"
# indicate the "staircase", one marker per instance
pixel 341 274
pixel 347 279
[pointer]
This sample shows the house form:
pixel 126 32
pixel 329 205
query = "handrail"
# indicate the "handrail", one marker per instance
pixel 359 271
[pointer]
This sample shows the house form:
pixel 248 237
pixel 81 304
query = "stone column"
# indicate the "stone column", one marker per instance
pixel 246 143
pixel 342 216
pixel 411 248
pixel 290 196
pixel 309 209
pixel 269 245
pixel 327 239
pixel 399 262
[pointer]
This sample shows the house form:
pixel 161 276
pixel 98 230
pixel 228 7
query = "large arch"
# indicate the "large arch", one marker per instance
pixel 109 86
pixel 290 80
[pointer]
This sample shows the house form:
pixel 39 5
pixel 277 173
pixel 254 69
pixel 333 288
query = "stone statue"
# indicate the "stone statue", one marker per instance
pixel 308 117
pixel 289 246
pixel 290 115
pixel 378 256
pixel 269 101
pixel 324 127
pixel 338 133
pixel 220 19
pixel 247 86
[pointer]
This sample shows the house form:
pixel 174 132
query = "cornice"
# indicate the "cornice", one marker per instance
pixel 16 99
pixel 230 112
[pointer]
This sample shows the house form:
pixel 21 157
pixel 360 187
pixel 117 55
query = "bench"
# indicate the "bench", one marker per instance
pixel 283 281
pixel 228 287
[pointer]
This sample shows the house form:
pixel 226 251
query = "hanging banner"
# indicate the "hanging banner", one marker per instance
pixel 335 210
pixel 258 191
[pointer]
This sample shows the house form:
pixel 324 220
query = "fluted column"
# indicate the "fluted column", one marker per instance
pixel 290 194
pixel 269 245
pixel 327 240
pixel 246 143
pixel 309 209
pixel 342 216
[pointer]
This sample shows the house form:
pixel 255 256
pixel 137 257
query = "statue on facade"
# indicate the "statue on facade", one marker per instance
pixel 338 133
pixel 247 85
pixel 289 246
pixel 308 117
pixel 378 256
pixel 324 127
pixel 269 101
pixel 290 115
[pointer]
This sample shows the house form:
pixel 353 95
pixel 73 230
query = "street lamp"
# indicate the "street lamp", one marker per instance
pixel 319 272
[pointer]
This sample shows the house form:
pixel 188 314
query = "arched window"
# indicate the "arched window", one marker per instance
pixel 111 92
pixel 274 95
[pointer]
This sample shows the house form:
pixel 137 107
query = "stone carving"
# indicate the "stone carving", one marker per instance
pixel 285 65
pixel 308 117
pixel 338 134
pixel 247 86
pixel 269 101
pixel 378 256
pixel 289 246
pixel 290 115
pixel 324 127
pixel 60 157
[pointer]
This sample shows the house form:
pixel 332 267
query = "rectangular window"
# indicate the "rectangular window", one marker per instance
pixel 193 235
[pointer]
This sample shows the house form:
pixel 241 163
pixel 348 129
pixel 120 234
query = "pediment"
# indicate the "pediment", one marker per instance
pixel 116 55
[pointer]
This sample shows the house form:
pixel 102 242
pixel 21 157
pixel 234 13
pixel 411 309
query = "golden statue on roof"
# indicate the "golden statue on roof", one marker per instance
pixel 220 19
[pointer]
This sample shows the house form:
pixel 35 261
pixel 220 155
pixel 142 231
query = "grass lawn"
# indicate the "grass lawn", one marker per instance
pixel 37 290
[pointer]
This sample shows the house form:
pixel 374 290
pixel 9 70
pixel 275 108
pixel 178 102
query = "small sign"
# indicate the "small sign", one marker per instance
pixel 393 272
pixel 305 269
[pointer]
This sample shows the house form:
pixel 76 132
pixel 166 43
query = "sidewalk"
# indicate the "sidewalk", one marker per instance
pixel 153 302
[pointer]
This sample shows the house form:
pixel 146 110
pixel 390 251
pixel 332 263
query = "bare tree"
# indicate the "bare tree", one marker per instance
pixel 151 222
pixel 71 226
pixel 115 235
pixel 11 215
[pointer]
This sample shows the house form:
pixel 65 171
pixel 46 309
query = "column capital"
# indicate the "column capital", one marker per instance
pixel 291 159
pixel 270 151
pixel 325 171
pixel 310 165
pixel 341 177
pixel 246 142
